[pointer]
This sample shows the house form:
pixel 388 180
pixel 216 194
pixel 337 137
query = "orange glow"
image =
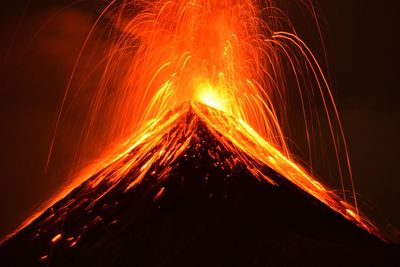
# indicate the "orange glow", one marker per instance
pixel 45 257
pixel 208 95
pixel 56 238
pixel 233 56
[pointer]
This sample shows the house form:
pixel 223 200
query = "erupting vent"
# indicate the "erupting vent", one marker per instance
pixel 208 83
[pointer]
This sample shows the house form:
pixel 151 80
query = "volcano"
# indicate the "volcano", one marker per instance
pixel 189 191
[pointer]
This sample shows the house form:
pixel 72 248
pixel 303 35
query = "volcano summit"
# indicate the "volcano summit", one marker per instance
pixel 198 188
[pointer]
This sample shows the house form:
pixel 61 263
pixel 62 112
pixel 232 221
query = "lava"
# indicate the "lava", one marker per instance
pixel 232 57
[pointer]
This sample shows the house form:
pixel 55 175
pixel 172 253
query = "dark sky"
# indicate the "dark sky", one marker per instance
pixel 39 46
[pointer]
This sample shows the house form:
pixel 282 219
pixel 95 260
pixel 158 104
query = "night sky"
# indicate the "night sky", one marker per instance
pixel 39 45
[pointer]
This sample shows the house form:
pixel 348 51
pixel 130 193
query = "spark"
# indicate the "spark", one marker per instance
pixel 56 238
pixel 45 257
pixel 159 194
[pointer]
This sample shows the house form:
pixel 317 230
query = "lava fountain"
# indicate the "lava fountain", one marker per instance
pixel 233 56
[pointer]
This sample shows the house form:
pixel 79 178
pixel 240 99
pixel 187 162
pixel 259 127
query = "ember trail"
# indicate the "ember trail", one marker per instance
pixel 226 62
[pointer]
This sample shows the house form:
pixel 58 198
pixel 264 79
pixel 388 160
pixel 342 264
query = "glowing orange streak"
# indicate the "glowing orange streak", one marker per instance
pixel 302 100
pixel 70 81
pixel 293 38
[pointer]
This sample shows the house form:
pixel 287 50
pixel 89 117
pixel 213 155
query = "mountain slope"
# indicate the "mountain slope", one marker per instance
pixel 183 193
